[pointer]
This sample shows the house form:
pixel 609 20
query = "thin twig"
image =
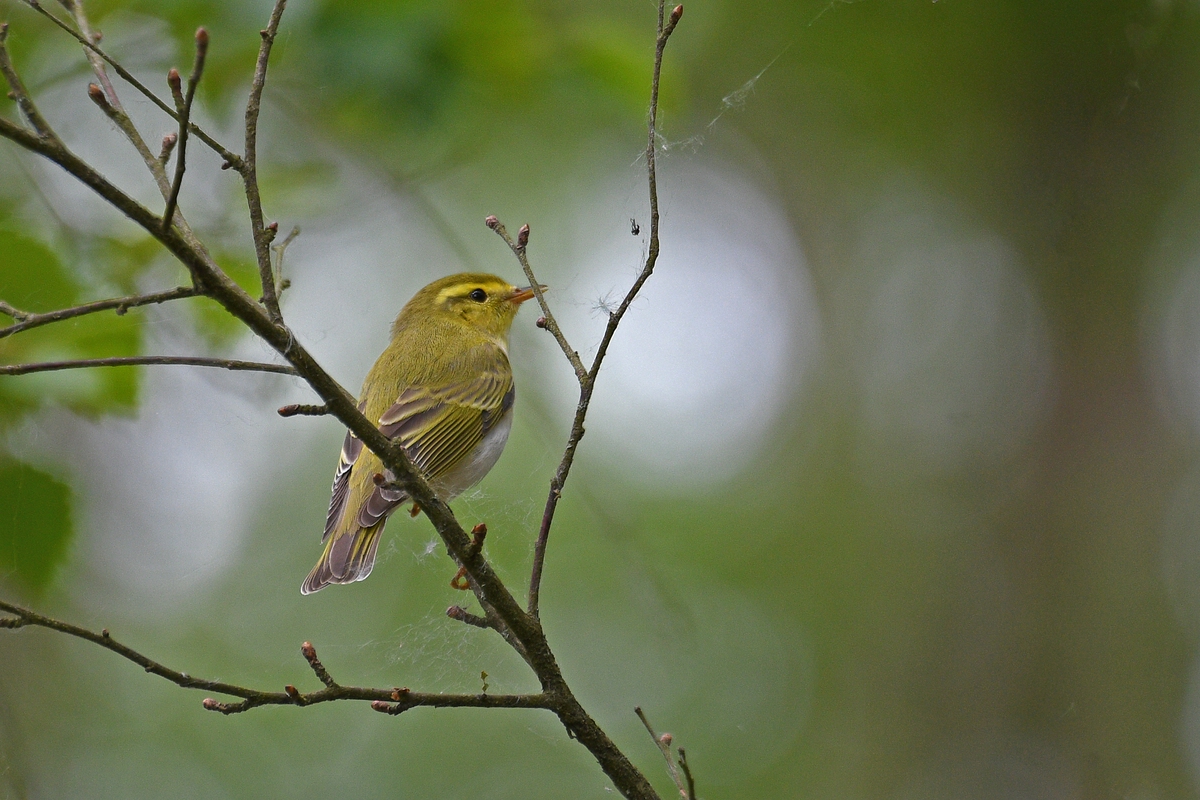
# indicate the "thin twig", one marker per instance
pixel 14 312
pixel 687 774
pixel 299 410
pixel 231 158
pixel 138 361
pixel 27 320
pixel 462 615
pixel 105 96
pixel 185 114
pixel 663 743
pixel 551 324
pixel 279 249
pixel 18 91
pixel 262 237
pixel 310 655
pixel 666 25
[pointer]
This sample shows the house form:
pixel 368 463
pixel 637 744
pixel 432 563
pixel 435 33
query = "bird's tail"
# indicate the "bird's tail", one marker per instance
pixel 348 557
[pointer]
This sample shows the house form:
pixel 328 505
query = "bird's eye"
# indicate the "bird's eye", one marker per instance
pixel 478 295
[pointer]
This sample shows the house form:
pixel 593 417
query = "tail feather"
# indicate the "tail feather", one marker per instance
pixel 347 558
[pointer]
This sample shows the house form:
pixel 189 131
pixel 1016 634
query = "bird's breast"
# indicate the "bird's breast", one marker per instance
pixel 478 462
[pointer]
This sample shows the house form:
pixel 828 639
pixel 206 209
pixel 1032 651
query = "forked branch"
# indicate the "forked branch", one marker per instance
pixel 183 105
pixel 587 381
pixel 391 700
pixel 504 614
pixel 27 320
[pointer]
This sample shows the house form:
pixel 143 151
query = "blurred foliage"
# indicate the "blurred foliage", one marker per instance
pixel 35 524
pixel 33 280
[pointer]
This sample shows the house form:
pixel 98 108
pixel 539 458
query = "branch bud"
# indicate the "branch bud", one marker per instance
pixel 174 81
pixel 667 738
pixel 380 706
pixel 491 221
pixel 523 236
pixel 540 322
pixel 201 39
pixel 210 704
pixel 676 14
pixel 97 95
pixel 168 144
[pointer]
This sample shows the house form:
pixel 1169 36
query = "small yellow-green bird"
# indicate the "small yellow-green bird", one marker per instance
pixel 444 389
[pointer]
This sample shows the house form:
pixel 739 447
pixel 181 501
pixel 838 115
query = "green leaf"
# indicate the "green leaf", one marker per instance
pixel 35 524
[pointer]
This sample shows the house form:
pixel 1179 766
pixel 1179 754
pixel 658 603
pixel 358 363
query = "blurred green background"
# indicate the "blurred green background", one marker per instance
pixel 891 485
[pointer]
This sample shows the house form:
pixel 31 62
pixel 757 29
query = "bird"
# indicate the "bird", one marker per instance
pixel 443 388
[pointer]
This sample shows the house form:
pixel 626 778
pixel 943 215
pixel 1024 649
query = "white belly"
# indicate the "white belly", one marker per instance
pixel 478 463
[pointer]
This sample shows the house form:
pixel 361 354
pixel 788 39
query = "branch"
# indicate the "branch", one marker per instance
pixel 14 312
pixel 249 171
pixel 299 410
pixel 26 320
pixel 687 774
pixel 521 629
pixel 587 382
pixel 137 361
pixel 184 106
pixel 279 250
pixel 663 743
pixel 548 321
pixel 393 701
pixel 105 96
pixel 231 158
pixel 18 91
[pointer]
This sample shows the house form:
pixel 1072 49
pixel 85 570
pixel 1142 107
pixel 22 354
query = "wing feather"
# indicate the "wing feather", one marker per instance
pixel 439 427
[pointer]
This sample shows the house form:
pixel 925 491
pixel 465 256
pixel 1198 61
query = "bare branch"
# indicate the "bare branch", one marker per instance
pixel 663 743
pixel 252 698
pixel 462 615
pixel 26 320
pixel 14 312
pixel 184 107
pixel 262 238
pixel 551 324
pixel 298 410
pixel 666 25
pixel 687 774
pixel 310 655
pixel 137 361
pixel 18 91
pixel 105 96
pixel 522 630
pixel 231 158
pixel 279 250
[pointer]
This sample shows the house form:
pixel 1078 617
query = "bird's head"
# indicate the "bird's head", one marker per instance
pixel 481 301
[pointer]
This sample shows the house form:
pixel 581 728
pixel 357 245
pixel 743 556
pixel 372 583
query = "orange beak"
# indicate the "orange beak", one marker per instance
pixel 521 295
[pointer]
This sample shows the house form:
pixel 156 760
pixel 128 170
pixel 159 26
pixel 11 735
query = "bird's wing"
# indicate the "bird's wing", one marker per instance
pixel 438 428
pixel 351 448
